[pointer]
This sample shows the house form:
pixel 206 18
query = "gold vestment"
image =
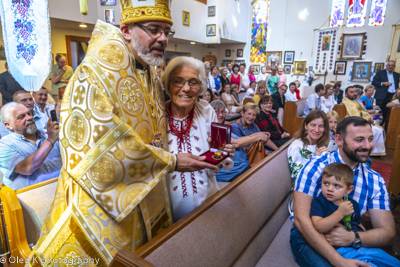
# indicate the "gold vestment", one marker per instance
pixel 111 192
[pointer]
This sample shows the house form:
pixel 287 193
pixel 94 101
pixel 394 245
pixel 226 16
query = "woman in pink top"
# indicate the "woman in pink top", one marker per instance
pixel 282 76
pixel 251 75
pixel 235 77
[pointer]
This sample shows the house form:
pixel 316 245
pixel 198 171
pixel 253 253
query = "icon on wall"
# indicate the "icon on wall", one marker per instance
pixel 228 53
pixel 108 2
pixel 340 68
pixel 211 11
pixel 239 53
pixel 289 57
pixel 186 18
pixel 352 47
pixel 109 15
pixel 379 66
pixel 361 71
pixel 211 29
pixel 300 67
pixel 286 69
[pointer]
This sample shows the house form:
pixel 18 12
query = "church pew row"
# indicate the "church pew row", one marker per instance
pixel 245 224
pixel 394 182
pixel 24 212
pixel 393 131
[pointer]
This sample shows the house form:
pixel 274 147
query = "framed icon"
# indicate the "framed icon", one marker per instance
pixel 239 53
pixel 300 67
pixel 352 46
pixel 227 52
pixel 287 69
pixel 211 11
pixel 379 67
pixel 211 29
pixel 273 59
pixel 186 18
pixel 289 57
pixel 340 68
pixel 361 71
pixel 109 15
pixel 108 2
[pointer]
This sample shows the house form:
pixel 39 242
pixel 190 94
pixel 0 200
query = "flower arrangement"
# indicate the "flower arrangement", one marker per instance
pixel 310 77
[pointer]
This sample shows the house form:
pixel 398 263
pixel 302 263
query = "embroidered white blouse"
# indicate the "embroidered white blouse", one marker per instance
pixel 327 104
pixel 187 190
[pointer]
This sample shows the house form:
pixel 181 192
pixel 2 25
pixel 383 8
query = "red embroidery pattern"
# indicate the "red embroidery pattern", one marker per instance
pixel 196 138
pixel 175 188
pixel 170 142
pixel 173 177
pixel 200 171
pixel 198 149
pixel 201 182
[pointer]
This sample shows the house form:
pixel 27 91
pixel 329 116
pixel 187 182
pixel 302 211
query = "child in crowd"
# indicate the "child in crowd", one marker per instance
pixel 333 206
pixel 333 118
pixel 251 91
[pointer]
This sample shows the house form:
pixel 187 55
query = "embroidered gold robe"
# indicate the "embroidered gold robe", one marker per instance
pixel 111 192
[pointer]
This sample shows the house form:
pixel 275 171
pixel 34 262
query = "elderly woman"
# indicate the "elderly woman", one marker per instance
pixel 189 125
pixel 290 94
pixel 241 161
pixel 245 125
pixel 310 141
pixel 267 123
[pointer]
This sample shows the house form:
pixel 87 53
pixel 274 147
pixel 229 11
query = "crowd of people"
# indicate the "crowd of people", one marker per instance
pixel 199 95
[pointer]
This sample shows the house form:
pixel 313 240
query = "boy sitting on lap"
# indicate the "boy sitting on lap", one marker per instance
pixel 330 208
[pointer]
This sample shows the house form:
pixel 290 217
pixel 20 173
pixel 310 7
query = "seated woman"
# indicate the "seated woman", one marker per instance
pixel 327 101
pixel 260 92
pixel 217 80
pixel 312 140
pixel 290 94
pixel 297 90
pixel 231 104
pixel 189 122
pixel 245 125
pixel 208 96
pixel 333 119
pixel 251 91
pixel 267 123
pixel 395 101
pixel 240 159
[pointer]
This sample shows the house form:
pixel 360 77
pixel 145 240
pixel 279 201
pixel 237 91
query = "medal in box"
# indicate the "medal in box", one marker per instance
pixel 220 136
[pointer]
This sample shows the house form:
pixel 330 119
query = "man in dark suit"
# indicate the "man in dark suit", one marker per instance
pixel 386 82
pixel 279 102
pixel 337 93
pixel 8 86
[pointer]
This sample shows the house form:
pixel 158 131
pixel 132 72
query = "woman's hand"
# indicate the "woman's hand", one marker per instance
pixel 262 136
pixel 272 111
pixel 321 150
pixel 285 135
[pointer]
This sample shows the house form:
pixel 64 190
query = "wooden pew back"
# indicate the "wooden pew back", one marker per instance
pixel 394 182
pixel 393 130
pixel 341 110
pixel 233 227
pixel 292 116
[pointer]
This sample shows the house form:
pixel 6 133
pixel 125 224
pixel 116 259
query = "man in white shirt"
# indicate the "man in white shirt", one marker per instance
pixel 229 67
pixel 41 106
pixel 314 100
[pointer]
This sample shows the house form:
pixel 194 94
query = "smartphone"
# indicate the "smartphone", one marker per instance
pixel 53 115
pixel 332 145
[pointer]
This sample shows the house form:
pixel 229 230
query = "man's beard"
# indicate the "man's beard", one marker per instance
pixel 352 98
pixel 353 154
pixel 145 53
pixel 32 129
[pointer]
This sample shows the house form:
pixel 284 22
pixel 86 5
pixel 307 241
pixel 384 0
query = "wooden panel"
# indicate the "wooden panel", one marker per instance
pixel 393 130
pixel 291 122
pixel 126 258
pixel 341 110
pixel 160 239
pixel 394 182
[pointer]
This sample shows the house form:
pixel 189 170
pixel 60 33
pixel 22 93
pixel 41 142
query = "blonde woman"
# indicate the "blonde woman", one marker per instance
pixel 281 75
pixel 297 90
pixel 261 91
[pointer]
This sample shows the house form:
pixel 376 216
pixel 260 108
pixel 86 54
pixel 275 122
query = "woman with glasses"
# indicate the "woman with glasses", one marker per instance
pixel 189 125
pixel 267 123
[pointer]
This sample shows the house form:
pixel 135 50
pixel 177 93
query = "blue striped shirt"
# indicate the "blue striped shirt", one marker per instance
pixel 369 187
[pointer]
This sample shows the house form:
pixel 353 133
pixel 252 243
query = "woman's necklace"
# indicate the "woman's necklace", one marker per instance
pixel 245 128
pixel 184 129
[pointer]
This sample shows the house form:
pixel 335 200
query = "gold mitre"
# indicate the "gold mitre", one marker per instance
pixel 134 11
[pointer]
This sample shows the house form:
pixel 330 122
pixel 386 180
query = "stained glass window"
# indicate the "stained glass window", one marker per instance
pixel 377 13
pixel 337 13
pixel 356 13
pixel 259 31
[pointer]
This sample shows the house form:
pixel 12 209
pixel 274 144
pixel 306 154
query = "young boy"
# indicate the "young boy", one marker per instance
pixel 330 208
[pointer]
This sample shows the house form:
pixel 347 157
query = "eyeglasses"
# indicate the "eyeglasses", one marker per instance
pixel 156 32
pixel 179 82
pixel 218 112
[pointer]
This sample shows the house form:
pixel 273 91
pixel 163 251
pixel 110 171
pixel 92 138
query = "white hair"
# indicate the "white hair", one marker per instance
pixel 188 62
pixel 391 61
pixel 7 110
pixel 217 104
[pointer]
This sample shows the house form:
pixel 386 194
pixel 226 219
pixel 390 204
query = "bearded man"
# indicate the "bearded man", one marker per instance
pixel 111 192
pixel 354 137
pixel 356 109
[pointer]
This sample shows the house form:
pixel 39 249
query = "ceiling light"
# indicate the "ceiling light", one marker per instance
pixel 192 42
pixel 83 25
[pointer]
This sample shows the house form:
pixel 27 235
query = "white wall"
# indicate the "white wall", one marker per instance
pixel 288 33
pixel 69 10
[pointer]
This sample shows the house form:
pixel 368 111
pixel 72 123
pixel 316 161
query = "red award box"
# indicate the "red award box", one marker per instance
pixel 220 136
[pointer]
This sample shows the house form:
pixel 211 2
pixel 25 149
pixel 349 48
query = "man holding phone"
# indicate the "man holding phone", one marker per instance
pixel 386 82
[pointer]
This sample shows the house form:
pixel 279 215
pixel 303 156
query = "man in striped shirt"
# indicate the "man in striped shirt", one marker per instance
pixel 355 141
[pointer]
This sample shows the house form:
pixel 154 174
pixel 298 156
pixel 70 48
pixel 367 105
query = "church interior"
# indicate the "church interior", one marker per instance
pixel 248 221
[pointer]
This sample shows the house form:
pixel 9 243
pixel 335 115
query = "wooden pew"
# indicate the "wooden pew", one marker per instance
pixel 394 182
pixel 292 116
pixel 245 224
pixel 341 110
pixel 393 130
pixel 22 218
